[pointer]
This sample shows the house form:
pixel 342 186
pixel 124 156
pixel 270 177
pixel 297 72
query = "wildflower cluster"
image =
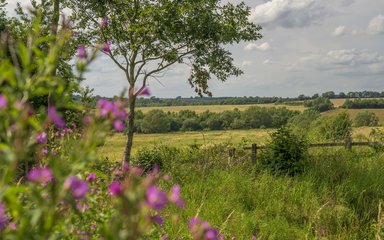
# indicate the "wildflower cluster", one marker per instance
pixel 201 230
pixel 114 111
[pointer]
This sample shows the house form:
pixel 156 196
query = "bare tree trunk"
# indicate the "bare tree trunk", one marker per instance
pixel 131 121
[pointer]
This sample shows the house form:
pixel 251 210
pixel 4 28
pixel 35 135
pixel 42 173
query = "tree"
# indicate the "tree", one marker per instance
pixel 366 118
pixel 149 36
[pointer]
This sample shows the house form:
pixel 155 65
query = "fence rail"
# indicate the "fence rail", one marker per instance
pixel 347 144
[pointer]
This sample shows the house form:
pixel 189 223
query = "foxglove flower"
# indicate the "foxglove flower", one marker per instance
pixel 55 118
pixel 156 198
pixel 78 187
pixel 42 175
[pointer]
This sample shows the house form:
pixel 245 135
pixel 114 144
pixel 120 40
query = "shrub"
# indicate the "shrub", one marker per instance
pixel 366 118
pixel 286 153
pixel 148 158
pixel 336 128
pixel 320 104
pixel 156 121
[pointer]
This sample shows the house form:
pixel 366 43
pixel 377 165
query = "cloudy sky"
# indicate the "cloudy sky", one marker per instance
pixel 309 46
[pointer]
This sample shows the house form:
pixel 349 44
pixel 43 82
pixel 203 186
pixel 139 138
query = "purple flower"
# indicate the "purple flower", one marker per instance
pixel 82 207
pixel 42 175
pixel 126 166
pixel 118 110
pixel 44 152
pixel 105 22
pixel 81 52
pixel 3 218
pixel 118 126
pixel 156 198
pixel 106 47
pixel 157 219
pixel 193 223
pixel 115 188
pixel 212 234
pixel 54 116
pixel 104 107
pixel 91 177
pixel 175 196
pixel 41 137
pixel 164 237
pixel 3 102
pixel 144 91
pixel 78 187
pixel 53 152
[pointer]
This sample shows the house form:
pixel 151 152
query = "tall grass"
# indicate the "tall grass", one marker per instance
pixel 336 197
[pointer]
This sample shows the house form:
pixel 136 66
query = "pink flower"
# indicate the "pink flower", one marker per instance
pixel 144 91
pixel 106 47
pixel 118 126
pixel 82 207
pixel 156 198
pixel 78 187
pixel 3 102
pixel 104 22
pixel 42 175
pixel 41 137
pixel 115 188
pixel 91 177
pixel 44 152
pixel 157 219
pixel 3 217
pixel 81 52
pixel 55 118
pixel 126 166
pixel 104 107
pixel 175 196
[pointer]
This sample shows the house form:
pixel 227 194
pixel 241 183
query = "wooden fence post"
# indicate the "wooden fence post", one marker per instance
pixel 348 144
pixel 254 153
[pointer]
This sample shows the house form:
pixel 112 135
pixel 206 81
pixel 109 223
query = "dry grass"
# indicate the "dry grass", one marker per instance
pixel 352 112
pixel 217 108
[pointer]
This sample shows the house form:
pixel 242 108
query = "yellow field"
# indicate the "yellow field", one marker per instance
pixel 216 108
pixel 114 146
pixel 352 112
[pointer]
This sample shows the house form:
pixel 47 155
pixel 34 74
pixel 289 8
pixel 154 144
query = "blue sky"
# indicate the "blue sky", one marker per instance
pixel 309 46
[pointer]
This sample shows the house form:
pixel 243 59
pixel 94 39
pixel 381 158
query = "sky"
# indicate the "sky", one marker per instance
pixel 308 46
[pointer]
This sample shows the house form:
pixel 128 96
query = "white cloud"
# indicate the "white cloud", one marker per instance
pixel 376 25
pixel 262 47
pixel 246 63
pixel 288 13
pixel 339 31
pixel 342 62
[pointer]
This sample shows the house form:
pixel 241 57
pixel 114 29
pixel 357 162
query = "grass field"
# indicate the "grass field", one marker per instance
pixel 114 146
pixel 216 108
pixel 352 112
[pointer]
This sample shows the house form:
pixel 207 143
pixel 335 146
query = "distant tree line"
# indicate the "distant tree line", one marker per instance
pixel 158 121
pixel 363 103
pixel 180 101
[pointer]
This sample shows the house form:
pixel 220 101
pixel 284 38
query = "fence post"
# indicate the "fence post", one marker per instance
pixel 254 153
pixel 348 143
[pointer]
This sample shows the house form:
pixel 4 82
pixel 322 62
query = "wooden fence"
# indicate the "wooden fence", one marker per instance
pixel 347 144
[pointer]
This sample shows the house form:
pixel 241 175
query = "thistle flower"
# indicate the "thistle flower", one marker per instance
pixel 118 126
pixel 115 188
pixel 78 187
pixel 156 198
pixel 175 196
pixel 81 52
pixel 42 175
pixel 41 137
pixel 144 91
pixel 106 47
pixel 157 219
pixel 104 22
pixel 55 118
pixel 3 218
pixel 91 177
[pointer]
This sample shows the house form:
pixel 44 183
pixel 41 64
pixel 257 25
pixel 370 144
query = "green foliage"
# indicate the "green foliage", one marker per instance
pixel 320 104
pixel 148 158
pixel 363 103
pixel 286 153
pixel 366 118
pixel 156 121
pixel 336 128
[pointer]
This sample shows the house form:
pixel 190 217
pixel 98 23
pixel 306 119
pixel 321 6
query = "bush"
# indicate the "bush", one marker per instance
pixel 320 104
pixel 336 128
pixel 366 118
pixel 148 158
pixel 156 121
pixel 286 153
